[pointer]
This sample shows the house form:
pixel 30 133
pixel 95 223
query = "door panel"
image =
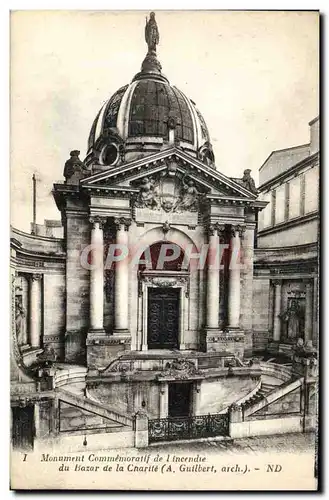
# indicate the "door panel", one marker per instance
pixel 179 403
pixel 23 427
pixel 163 318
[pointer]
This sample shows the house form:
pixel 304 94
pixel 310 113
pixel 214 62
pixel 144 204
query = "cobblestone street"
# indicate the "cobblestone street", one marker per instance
pixel 283 443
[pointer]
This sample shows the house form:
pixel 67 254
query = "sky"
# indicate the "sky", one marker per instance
pixel 253 75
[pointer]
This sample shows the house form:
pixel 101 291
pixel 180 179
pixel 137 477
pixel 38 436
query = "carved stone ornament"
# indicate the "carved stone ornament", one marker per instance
pixel 153 194
pixel 216 229
pixel 36 277
pixel 101 221
pixel 180 369
pixel 237 230
pixel 166 282
pixel 148 195
pixel 15 348
pixel 166 227
pixel 248 182
pixel 189 196
pixel 74 166
pixel 206 154
pixel 122 221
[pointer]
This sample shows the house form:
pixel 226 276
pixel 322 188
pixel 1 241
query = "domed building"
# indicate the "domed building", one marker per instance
pixel 146 116
pixel 143 311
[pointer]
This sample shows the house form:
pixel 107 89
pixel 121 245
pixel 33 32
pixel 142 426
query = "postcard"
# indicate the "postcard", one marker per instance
pixel 164 245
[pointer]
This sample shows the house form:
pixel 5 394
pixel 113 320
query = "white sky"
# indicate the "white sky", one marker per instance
pixel 253 75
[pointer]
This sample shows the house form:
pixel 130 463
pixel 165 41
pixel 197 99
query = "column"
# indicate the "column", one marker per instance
pixel 277 310
pixel 144 319
pixel 308 331
pixel 213 279
pixel 35 310
pixel 141 430
pixel 97 276
pixel 163 400
pixel 234 278
pixel 247 261
pixel 121 289
pixel 139 339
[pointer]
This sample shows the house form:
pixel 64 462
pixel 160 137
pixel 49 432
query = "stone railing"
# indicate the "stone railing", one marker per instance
pixel 250 394
pixel 273 396
pixel 94 407
pixel 276 370
pixel 61 375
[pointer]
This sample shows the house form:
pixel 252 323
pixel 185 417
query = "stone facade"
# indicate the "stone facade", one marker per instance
pixel 286 258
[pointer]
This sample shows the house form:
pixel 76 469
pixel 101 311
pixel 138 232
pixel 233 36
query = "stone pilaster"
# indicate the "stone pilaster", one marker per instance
pixel 308 312
pixel 141 429
pixel 196 397
pixel 163 400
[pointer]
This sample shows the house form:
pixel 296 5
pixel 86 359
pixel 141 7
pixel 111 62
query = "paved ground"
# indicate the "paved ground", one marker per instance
pixel 285 443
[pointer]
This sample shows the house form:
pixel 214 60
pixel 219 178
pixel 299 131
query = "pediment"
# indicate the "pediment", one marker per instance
pixel 173 168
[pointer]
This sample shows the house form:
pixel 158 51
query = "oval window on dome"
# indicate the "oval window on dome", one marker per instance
pixel 110 154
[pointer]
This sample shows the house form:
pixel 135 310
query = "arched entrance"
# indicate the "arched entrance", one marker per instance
pixel 164 289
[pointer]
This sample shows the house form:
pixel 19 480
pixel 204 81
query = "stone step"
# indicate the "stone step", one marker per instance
pixel 260 394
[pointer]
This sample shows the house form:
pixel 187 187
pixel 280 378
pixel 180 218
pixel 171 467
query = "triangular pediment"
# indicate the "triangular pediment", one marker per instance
pixel 172 163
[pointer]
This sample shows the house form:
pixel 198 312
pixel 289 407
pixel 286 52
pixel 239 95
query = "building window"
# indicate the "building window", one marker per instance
pixel 280 193
pixel 311 190
pixel 302 194
pixel 295 189
pixel 265 218
pixel 287 199
pixel 273 206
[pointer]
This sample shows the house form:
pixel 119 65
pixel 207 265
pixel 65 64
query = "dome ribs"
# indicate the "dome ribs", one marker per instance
pixel 186 122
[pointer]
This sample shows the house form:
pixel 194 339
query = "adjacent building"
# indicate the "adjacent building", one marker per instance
pixel 286 259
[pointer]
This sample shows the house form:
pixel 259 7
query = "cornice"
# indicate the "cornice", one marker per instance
pixel 33 236
pixel 158 163
pixel 288 224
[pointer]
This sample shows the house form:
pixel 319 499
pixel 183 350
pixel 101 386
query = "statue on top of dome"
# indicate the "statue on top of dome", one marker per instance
pixel 151 33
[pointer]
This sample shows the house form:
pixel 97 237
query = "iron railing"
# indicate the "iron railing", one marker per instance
pixel 191 427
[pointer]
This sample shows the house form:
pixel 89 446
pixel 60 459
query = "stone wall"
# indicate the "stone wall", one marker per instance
pixel 77 288
pixel 218 394
pixel 287 405
pixel 303 233
pixel 261 310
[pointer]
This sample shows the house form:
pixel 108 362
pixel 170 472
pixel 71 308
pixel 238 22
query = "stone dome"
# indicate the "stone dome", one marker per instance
pixel 147 116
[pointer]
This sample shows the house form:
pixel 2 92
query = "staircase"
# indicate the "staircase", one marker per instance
pixel 262 392
pixel 89 410
pixel 269 394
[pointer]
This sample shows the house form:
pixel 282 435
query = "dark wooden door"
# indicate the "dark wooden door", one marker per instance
pixel 163 318
pixel 179 399
pixel 23 427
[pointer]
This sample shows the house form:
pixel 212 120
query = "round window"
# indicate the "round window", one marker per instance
pixel 110 154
